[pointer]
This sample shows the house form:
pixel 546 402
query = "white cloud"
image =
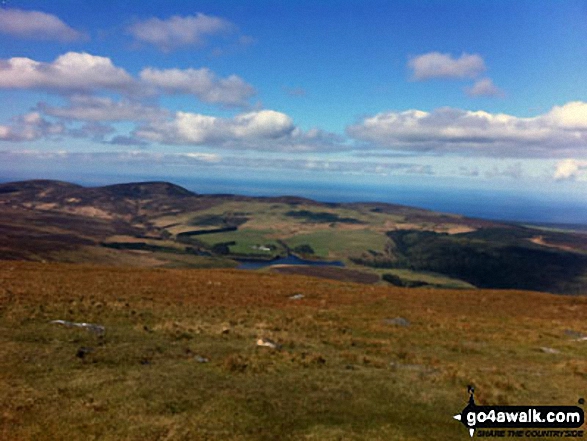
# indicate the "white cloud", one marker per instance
pixel 36 25
pixel 562 131
pixel 71 72
pixel 264 130
pixel 82 73
pixel 91 108
pixel 438 65
pixel 203 83
pixel 30 127
pixel 484 87
pixel 570 169
pixel 571 116
pixel 191 128
pixel 179 31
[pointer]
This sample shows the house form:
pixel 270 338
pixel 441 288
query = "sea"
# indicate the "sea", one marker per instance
pixel 491 204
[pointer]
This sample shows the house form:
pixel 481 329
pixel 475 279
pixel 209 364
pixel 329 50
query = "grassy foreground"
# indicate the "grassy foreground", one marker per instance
pixel 343 372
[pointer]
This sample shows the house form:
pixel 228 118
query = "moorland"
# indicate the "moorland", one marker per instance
pixel 179 358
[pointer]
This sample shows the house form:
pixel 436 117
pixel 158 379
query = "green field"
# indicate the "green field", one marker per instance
pixel 432 279
pixel 340 244
pixel 246 241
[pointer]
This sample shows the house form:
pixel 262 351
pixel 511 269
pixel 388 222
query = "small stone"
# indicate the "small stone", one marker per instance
pixel 549 350
pixel 268 343
pixel 296 297
pixel 83 351
pixel 201 359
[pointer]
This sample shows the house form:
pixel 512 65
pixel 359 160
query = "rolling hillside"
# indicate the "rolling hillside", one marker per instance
pixel 178 357
pixel 158 224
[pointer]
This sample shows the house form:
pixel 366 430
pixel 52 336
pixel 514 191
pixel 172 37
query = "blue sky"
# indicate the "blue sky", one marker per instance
pixel 468 95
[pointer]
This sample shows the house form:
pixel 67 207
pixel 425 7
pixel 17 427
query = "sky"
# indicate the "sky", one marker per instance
pixel 456 95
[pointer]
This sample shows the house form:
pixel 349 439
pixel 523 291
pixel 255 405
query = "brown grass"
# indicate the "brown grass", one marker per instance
pixel 343 372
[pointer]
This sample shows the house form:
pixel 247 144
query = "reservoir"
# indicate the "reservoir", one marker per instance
pixel 289 260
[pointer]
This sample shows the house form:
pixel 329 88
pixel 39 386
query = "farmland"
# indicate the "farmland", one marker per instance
pixel 161 225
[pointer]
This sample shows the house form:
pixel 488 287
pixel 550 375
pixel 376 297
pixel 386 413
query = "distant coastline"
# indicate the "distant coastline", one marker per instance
pixel 489 204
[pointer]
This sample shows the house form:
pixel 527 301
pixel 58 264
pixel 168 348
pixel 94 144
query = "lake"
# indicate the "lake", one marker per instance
pixel 289 260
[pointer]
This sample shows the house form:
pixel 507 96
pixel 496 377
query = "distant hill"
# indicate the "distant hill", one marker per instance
pixel 159 224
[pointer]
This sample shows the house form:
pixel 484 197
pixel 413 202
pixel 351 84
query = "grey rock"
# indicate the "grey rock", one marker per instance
pixel 201 359
pixel 93 328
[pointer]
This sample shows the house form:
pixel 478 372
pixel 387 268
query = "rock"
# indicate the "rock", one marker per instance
pixel 296 297
pixel 94 329
pixel 268 343
pixel 549 350
pixel 201 359
pixel 398 321
pixel 83 351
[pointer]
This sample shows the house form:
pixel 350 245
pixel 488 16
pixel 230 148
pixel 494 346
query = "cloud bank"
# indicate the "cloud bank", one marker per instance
pixel 263 130
pixel 92 108
pixel 202 83
pixel 30 127
pixel 194 129
pixel 560 132
pixel 69 73
pixel 83 73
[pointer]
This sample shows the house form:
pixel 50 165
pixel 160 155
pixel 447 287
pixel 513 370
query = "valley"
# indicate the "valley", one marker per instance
pixel 161 225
